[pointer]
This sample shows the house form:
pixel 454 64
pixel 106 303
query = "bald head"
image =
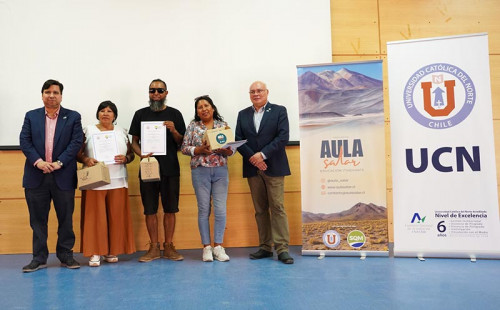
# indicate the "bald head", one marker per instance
pixel 258 94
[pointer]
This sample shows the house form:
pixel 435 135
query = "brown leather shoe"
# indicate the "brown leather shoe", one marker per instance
pixel 169 252
pixel 152 254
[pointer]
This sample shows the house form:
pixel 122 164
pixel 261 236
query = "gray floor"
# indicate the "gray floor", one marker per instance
pixel 330 283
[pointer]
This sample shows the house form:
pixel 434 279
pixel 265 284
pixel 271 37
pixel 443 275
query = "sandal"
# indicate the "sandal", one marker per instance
pixel 111 258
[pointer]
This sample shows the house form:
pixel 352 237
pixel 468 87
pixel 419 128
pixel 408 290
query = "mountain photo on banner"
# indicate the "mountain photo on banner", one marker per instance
pixel 369 218
pixel 342 143
pixel 328 95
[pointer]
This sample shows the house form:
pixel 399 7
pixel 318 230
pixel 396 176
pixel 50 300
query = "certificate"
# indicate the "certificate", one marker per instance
pixel 153 138
pixel 234 145
pixel 104 145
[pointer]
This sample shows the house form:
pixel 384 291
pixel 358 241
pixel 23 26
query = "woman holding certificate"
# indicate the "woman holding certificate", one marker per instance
pixel 106 224
pixel 209 176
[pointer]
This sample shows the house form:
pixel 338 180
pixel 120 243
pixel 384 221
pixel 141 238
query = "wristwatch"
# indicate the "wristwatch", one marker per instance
pixel 59 163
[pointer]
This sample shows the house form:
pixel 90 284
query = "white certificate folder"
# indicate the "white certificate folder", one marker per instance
pixel 153 138
pixel 104 145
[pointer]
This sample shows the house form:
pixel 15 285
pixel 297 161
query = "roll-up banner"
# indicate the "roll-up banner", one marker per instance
pixel 342 159
pixel 443 153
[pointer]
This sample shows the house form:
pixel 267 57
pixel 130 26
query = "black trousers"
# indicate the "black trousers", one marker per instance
pixel 38 200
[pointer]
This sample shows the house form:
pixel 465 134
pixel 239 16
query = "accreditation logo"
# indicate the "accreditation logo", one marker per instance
pixel 439 96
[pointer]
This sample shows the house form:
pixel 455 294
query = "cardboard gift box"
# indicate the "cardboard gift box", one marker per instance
pixel 150 170
pixel 218 137
pixel 93 177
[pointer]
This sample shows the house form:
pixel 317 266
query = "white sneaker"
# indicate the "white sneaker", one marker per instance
pixel 207 254
pixel 220 254
pixel 95 261
pixel 111 258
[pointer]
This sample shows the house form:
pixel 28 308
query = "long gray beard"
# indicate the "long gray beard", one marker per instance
pixel 157 105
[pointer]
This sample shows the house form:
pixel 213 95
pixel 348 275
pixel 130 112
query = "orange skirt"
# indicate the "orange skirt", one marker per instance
pixel 106 224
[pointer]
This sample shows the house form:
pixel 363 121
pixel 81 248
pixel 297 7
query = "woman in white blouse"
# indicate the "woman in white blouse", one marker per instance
pixel 106 224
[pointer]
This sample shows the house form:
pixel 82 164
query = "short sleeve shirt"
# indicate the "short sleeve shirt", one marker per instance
pixel 169 164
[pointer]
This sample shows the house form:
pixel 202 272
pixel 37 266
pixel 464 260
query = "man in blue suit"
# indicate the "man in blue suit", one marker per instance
pixel 265 127
pixel 50 139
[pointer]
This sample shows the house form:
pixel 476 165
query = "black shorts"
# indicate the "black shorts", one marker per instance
pixel 167 187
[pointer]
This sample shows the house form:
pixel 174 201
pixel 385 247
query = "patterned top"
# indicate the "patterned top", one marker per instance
pixel 193 138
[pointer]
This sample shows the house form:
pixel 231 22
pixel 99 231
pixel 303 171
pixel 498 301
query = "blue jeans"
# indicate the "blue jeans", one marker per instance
pixel 211 183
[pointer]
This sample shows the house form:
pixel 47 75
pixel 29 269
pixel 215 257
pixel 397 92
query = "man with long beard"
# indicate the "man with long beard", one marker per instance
pixel 168 186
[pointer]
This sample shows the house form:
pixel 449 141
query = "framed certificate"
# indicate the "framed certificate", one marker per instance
pixel 153 138
pixel 104 145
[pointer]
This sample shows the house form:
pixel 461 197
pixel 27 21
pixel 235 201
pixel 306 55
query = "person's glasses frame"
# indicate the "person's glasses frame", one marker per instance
pixel 257 91
pixel 201 97
pixel 159 90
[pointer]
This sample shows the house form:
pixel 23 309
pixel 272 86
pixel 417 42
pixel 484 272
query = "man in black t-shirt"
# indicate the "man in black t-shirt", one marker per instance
pixel 168 186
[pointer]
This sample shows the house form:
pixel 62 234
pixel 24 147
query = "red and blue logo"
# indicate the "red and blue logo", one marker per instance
pixel 439 96
pixel 331 239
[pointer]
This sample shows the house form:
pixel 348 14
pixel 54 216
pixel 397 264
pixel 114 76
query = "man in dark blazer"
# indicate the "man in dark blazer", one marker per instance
pixel 265 127
pixel 50 139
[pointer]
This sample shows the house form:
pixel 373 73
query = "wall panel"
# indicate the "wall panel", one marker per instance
pixel 354 21
pixel 241 230
pixel 406 19
pixel 354 27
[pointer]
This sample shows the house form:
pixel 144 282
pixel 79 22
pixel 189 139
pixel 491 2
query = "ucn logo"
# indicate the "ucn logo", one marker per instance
pixel 331 238
pixel 221 138
pixel 439 96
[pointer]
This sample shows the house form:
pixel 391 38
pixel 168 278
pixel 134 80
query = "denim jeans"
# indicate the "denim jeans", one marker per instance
pixel 211 184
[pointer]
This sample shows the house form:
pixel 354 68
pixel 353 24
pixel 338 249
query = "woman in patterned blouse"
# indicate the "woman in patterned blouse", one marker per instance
pixel 209 176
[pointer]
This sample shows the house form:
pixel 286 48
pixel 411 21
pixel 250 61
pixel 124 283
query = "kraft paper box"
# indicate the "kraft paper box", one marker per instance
pixel 93 177
pixel 150 170
pixel 218 137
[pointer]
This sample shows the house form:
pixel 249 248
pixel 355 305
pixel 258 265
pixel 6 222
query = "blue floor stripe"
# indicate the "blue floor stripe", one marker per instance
pixel 330 283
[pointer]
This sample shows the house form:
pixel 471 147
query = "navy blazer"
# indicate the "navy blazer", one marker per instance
pixel 271 139
pixel 68 139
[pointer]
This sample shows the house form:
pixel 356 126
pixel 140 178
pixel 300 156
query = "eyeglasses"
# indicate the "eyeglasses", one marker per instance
pixel 257 91
pixel 159 90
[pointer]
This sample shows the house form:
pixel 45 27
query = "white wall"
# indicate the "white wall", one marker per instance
pixel 112 49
